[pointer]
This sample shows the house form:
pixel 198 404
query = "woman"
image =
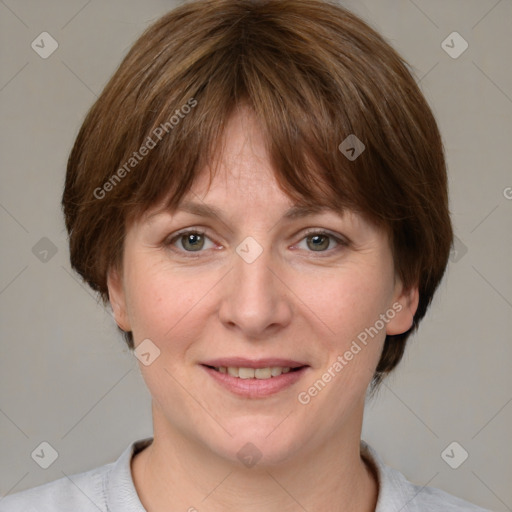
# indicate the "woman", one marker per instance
pixel 260 194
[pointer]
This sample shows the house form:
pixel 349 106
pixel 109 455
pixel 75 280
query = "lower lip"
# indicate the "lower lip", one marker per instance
pixel 256 388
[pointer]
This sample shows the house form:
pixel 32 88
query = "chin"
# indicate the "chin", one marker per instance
pixel 264 443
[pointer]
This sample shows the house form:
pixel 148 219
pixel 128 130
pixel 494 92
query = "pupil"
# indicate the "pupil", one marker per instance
pixel 316 238
pixel 191 241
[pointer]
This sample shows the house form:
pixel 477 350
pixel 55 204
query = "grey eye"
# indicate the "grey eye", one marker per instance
pixel 318 241
pixel 193 240
pixel 190 241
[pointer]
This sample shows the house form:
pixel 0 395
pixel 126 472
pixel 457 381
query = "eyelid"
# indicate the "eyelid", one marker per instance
pixel 341 240
pixel 322 231
pixel 174 236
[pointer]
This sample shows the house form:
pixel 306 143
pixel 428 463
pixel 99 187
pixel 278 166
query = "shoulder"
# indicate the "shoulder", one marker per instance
pixel 431 499
pixel 82 491
pixel 108 488
pixel 397 493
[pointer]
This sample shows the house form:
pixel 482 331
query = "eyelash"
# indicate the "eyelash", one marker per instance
pixel 170 242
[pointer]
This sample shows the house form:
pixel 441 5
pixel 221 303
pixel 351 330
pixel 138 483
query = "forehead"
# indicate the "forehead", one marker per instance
pixel 296 211
pixel 241 174
pixel 240 180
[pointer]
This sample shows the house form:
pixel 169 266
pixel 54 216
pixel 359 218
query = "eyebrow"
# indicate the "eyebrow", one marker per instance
pixel 205 210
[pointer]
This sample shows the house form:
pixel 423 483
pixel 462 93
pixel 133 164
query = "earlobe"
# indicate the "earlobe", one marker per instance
pixel 117 299
pixel 405 307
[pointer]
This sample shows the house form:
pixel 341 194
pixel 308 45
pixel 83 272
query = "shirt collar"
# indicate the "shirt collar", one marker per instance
pixel 394 490
pixel 120 490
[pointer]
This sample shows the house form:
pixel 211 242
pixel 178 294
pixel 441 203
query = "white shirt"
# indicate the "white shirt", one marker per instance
pixel 110 488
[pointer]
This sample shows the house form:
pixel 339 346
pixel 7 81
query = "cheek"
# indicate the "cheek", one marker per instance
pixel 346 308
pixel 346 303
pixel 162 301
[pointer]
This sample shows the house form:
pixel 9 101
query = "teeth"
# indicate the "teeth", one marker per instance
pixel 233 371
pixel 252 373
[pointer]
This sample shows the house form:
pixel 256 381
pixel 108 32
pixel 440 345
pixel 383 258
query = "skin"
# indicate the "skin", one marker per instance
pixel 295 301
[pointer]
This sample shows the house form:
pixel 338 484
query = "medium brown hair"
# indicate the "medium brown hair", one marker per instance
pixel 313 73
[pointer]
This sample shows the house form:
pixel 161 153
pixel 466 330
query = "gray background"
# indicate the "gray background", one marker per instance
pixel 66 376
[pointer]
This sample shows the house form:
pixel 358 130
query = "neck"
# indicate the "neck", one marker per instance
pixel 176 471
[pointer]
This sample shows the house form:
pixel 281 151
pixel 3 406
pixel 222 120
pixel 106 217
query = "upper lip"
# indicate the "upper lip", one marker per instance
pixel 241 362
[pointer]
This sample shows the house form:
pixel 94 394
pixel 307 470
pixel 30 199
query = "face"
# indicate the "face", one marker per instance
pixel 316 292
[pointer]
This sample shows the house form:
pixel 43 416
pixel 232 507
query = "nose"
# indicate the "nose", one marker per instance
pixel 256 299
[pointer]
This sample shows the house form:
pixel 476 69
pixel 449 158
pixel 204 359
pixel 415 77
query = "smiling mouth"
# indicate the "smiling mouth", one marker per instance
pixel 255 373
pixel 255 383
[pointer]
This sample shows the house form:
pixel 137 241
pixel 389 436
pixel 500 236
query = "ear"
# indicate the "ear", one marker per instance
pixel 405 305
pixel 117 298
